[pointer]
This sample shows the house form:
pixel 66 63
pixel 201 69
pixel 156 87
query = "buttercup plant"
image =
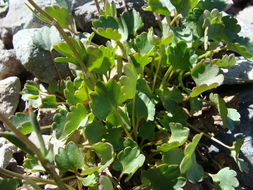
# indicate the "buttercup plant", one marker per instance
pixel 127 115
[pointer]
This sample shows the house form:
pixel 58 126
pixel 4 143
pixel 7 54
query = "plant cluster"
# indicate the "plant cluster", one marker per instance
pixel 126 116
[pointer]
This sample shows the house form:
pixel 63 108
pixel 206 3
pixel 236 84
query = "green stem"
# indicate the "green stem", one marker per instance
pixel 123 49
pixel 97 5
pixel 156 74
pixel 175 19
pixel 211 52
pixel 133 118
pixel 40 157
pixel 167 74
pixel 211 138
pixel 36 129
pixel 122 121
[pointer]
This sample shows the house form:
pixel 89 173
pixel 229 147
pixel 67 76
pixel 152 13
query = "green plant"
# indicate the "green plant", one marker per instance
pixel 127 116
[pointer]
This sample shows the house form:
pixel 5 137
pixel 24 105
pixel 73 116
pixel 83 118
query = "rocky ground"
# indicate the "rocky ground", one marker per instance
pixel 21 59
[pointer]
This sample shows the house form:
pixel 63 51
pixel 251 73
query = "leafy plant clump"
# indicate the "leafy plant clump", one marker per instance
pixel 128 117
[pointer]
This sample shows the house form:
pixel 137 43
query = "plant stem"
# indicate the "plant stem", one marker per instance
pixel 97 5
pixel 175 19
pixel 156 74
pixel 36 129
pixel 40 157
pixel 53 22
pixel 17 175
pixel 211 52
pixel 133 118
pixel 168 72
pixel 211 138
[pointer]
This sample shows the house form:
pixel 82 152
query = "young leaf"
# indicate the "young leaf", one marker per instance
pixel 180 56
pixel 164 177
pixel 140 61
pixel 75 92
pixel 179 135
pixel 105 98
pixel 75 118
pixel 10 184
pixel 184 6
pixel 69 157
pixel 226 61
pixel 207 77
pixel 225 179
pixel 141 44
pixel 31 94
pixel 61 14
pixel 105 183
pixel 89 181
pixel 32 164
pixel 22 122
pixel 60 120
pixel 163 7
pixel 131 160
pixel 128 83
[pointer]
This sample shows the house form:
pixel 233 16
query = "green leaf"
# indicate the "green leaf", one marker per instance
pixel 75 118
pixel 180 50
pixel 94 132
pixel 105 183
pixel 105 152
pixel 189 166
pixel 46 38
pixel 206 77
pixel 114 137
pixel 100 60
pixel 173 156
pixel 89 181
pixel 10 184
pixel 144 107
pixel 69 157
pixel 147 131
pixel 60 120
pixel 22 122
pixel 131 160
pixel 163 7
pixel 128 83
pixel 49 101
pixel 179 135
pixel 225 179
pixel 140 61
pixel 243 166
pixel 105 98
pixel 184 6
pixel 132 20
pixel 31 94
pixel 164 177
pixel 141 44
pixel 61 14
pixel 32 164
pixel 226 61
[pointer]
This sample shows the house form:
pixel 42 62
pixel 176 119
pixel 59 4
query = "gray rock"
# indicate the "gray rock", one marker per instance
pixel 9 95
pixel 20 17
pixel 242 72
pixel 6 152
pixel 37 60
pixel 2 45
pixel 3 8
pixel 9 65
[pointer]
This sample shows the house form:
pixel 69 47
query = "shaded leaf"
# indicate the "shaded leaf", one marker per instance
pixel 22 122
pixel 184 6
pixel 60 120
pixel 94 132
pixel 90 180
pixel 31 94
pixel 69 157
pixel 105 183
pixel 141 44
pixel 10 184
pixel 173 156
pixel 163 7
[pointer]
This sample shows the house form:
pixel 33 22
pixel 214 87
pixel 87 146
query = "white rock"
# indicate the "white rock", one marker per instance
pixel 6 152
pixel 9 95
pixel 9 65
pixel 2 45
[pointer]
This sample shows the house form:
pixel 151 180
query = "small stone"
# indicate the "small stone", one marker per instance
pixel 6 152
pixel 9 95
pixel 9 65
pixel 2 45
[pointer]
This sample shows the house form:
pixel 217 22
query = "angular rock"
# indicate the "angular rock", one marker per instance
pixel 245 20
pixel 9 95
pixel 2 45
pixel 6 151
pixel 6 37
pixel 37 60
pixel 241 73
pixel 9 65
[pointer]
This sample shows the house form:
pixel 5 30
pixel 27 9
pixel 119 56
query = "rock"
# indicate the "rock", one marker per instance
pixel 242 72
pixel 2 45
pixel 6 37
pixel 9 95
pixel 9 65
pixel 3 8
pixel 37 60
pixel 245 20
pixel 6 152
pixel 20 17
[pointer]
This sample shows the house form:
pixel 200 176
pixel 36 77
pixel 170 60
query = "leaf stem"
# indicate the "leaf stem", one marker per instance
pixel 211 52
pixel 40 157
pixel 211 137
pixel 167 74
pixel 174 19
pixel 133 118
pixel 97 5
pixel 156 74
